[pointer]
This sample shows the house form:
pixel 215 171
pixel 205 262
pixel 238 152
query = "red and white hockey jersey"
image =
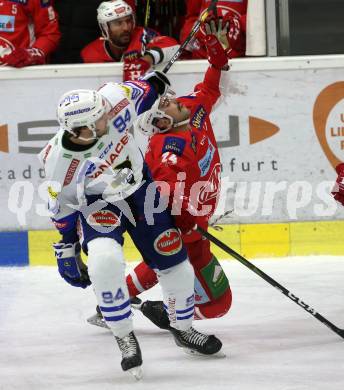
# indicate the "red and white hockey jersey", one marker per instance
pixel 26 24
pixel 161 47
pixel 193 151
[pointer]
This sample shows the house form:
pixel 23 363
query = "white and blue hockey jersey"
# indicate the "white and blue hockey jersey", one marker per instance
pixel 112 167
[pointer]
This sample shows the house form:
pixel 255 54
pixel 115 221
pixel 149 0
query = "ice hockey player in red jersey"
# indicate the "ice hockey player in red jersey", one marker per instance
pixel 182 152
pixel 29 32
pixel 139 48
pixel 338 190
pixel 232 11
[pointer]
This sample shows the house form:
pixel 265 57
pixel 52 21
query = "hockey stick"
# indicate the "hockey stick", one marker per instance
pixel 213 224
pixel 193 32
pixel 271 281
pixel 147 14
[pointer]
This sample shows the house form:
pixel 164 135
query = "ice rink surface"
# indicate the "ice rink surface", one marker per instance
pixel 270 342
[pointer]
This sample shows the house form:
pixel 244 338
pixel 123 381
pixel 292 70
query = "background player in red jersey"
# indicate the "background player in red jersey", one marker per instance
pixel 231 11
pixel 29 32
pixel 183 153
pixel 139 48
pixel 338 191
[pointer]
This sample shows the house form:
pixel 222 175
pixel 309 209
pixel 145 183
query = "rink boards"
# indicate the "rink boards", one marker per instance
pixel 250 240
pixel 271 106
pixel 271 109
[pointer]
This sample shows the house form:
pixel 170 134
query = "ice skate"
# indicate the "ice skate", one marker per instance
pixel 131 355
pixel 97 319
pixel 196 343
pixel 156 313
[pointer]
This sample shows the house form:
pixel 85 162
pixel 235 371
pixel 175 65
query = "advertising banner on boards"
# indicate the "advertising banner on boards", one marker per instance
pixel 280 135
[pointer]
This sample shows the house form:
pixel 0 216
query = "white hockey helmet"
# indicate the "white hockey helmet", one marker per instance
pixel 147 122
pixel 81 107
pixel 112 10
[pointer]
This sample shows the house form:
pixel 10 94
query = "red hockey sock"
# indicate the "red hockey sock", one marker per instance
pixel 214 309
pixel 141 278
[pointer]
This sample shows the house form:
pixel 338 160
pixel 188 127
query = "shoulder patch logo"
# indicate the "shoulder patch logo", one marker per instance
pixel 198 117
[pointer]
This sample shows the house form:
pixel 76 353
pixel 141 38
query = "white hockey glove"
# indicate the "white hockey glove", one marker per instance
pixel 158 80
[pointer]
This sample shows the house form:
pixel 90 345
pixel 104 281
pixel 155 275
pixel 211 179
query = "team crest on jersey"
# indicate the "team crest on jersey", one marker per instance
pixel 7 23
pixel 199 117
pixel 168 243
pixel 104 218
pixel 174 144
pixel 211 189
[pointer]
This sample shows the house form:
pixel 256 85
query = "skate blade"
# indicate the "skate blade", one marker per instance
pixel 192 352
pixel 97 321
pixel 136 372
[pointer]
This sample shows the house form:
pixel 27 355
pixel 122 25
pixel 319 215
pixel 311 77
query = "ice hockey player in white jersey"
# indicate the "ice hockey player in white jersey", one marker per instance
pixel 99 187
